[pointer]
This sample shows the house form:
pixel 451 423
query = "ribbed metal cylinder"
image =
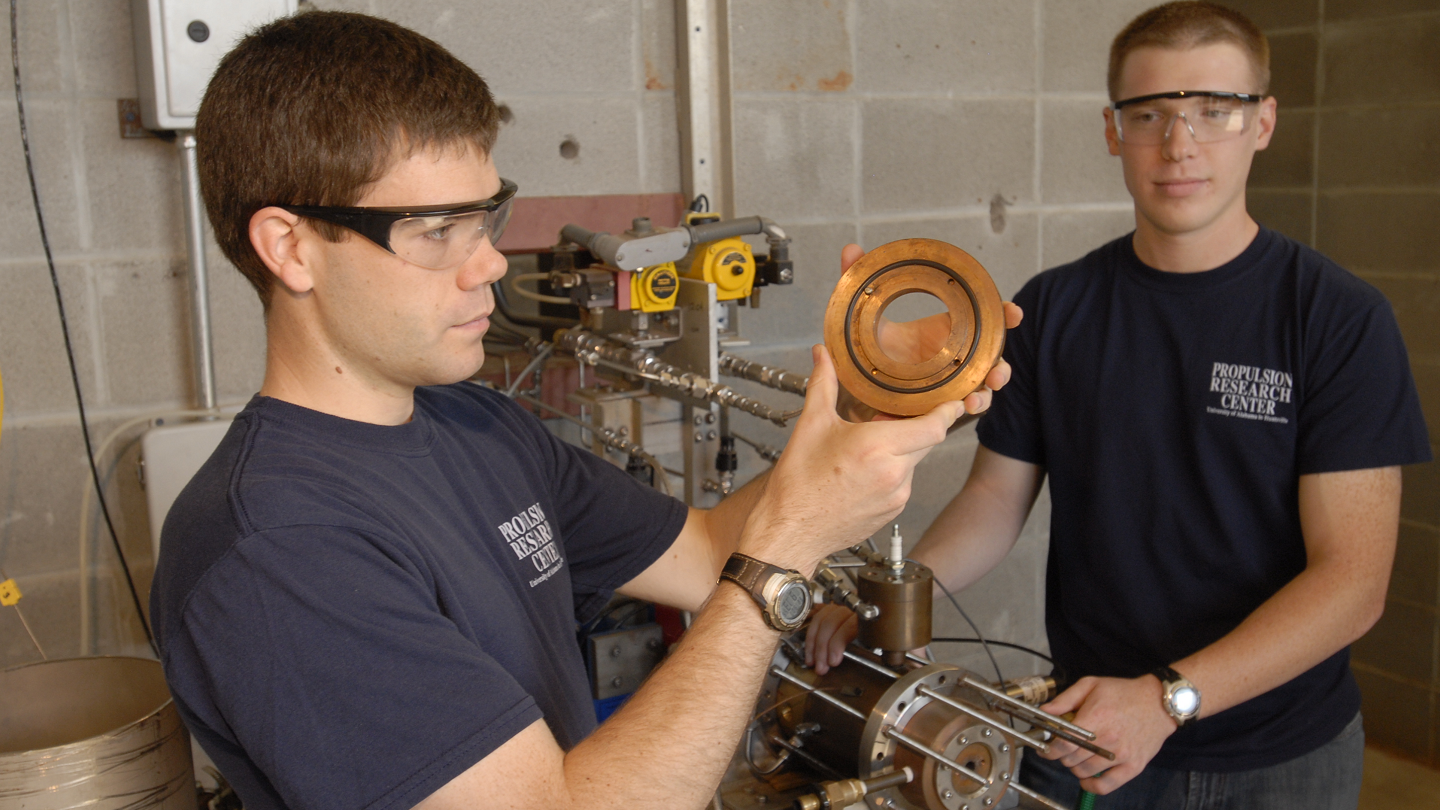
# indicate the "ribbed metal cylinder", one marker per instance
pixel 98 733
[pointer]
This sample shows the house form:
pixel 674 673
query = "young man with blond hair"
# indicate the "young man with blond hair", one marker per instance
pixel 367 597
pixel 1221 413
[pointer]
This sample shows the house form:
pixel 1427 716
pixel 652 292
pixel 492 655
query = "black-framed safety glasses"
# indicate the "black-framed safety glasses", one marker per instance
pixel 437 237
pixel 1209 115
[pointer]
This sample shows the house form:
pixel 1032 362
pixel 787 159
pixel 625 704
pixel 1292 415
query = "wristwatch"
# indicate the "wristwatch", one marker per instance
pixel 1180 697
pixel 783 595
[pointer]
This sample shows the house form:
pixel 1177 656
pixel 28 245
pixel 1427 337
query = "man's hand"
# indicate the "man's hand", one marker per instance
pixel 832 628
pixel 917 341
pixel 837 482
pixel 1128 720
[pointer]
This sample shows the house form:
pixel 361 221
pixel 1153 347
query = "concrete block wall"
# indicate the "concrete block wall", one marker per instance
pixel 977 122
pixel 1355 171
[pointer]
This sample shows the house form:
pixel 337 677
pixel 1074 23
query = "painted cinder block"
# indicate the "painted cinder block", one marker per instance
pixel 1380 231
pixel 1416 573
pixel 795 158
pixel 1277 14
pixel 1388 60
pixel 42 475
pixel 32 348
pixel 1077 36
pixel 1398 714
pixel 1289 160
pixel 1393 147
pixel 532 149
pixel 1075 163
pixel 1292 68
pixel 143 309
pixel 1402 643
pixel 945 46
pixel 1340 10
pixel 924 154
pixel 788 47
pixel 544 46
pixel 1070 235
pixel 52 149
pixel 44 51
pixel 132 186
pixel 659 145
pixel 1285 210
pixel 1010 256
pixel 1418 499
pixel 657 44
pixel 104 48
pixel 795 313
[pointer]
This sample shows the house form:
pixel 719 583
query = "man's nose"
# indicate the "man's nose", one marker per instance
pixel 485 265
pixel 1179 140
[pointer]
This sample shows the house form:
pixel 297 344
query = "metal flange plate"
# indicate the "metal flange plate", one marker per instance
pixel 960 361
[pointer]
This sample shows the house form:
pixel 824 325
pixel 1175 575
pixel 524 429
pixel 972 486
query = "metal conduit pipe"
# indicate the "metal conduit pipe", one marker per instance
pixel 596 350
pixel 768 376
pixel 201 343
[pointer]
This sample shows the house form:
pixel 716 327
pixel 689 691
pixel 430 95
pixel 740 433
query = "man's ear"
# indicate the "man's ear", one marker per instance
pixel 1265 122
pixel 1111 138
pixel 278 238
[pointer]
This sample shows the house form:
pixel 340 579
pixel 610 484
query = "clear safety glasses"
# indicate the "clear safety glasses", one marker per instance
pixel 438 237
pixel 1209 115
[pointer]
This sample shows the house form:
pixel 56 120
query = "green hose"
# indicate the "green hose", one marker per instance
pixel 1086 801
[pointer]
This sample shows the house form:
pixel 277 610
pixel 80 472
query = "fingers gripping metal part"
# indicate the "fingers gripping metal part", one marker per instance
pixel 953 365
pixel 1058 726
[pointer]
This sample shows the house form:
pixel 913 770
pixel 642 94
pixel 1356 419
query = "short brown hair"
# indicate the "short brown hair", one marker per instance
pixel 1191 24
pixel 313 109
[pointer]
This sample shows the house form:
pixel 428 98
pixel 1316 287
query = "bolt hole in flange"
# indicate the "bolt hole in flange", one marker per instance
pixel 944 361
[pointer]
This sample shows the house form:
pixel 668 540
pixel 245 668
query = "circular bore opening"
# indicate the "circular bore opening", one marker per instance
pixel 913 328
pixel 569 149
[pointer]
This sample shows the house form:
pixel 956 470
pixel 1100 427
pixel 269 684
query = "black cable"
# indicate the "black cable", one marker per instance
pixel 65 330
pixel 1020 647
pixel 983 643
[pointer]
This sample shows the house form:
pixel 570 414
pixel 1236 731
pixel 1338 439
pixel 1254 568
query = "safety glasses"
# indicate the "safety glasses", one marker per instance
pixel 438 237
pixel 1209 115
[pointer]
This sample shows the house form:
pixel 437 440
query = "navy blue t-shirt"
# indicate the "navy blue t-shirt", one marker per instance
pixel 351 615
pixel 1174 414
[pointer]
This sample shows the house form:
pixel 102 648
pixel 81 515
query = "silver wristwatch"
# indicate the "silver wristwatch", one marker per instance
pixel 783 595
pixel 1180 697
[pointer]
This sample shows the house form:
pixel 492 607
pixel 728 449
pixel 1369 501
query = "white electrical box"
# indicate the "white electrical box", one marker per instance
pixel 179 43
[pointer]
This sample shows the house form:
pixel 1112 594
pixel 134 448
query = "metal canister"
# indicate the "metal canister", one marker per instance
pixel 100 733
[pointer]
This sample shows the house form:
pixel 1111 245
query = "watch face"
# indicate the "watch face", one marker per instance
pixel 793 602
pixel 1185 700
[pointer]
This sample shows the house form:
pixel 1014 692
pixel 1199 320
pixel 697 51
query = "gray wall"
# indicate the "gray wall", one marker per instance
pixel 1355 171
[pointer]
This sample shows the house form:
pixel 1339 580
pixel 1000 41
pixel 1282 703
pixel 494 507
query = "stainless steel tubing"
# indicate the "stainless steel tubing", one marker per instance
pixel 768 376
pixel 201 344
pixel 593 349
pixel 969 712
pixel 839 704
pixel 97 733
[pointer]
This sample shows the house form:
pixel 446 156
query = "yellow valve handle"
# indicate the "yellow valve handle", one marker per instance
pixel 9 593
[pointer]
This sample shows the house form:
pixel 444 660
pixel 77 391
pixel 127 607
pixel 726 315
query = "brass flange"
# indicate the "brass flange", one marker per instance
pixel 966 355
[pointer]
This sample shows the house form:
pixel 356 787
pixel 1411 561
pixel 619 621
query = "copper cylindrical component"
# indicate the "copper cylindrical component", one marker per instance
pixel 904 599
pixel 955 365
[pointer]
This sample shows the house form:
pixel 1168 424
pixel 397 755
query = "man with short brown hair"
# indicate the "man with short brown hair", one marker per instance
pixel 367 597
pixel 1221 413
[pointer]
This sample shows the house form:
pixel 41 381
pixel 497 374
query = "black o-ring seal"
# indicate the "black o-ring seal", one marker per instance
pixel 860 290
